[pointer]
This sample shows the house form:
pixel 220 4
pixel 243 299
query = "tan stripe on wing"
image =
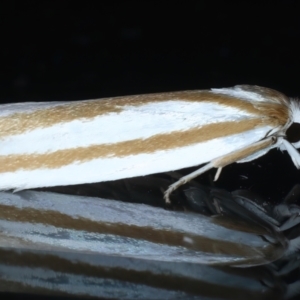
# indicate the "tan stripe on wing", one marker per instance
pixel 59 158
pixel 18 123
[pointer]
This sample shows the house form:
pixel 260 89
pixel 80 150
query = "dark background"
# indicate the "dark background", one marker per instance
pixel 69 50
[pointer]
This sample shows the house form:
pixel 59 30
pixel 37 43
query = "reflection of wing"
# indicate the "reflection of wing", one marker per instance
pixel 101 140
pixel 109 277
pixel 57 244
pixel 54 222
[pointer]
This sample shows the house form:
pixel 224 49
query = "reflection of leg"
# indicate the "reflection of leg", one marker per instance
pixel 221 162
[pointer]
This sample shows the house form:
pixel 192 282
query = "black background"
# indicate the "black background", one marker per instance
pixel 69 50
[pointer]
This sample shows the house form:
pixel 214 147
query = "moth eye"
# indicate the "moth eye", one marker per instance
pixel 293 133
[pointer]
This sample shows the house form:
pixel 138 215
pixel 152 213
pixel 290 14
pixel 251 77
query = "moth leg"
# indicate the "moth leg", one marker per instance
pixel 221 162
pixel 218 173
pixel 183 180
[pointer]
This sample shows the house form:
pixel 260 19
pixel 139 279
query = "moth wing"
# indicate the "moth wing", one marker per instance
pixel 102 140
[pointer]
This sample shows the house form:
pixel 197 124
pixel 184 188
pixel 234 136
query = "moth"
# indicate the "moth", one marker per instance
pixel 67 143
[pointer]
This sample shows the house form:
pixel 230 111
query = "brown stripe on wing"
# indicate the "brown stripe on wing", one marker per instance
pixel 18 123
pixel 172 140
pixel 269 94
